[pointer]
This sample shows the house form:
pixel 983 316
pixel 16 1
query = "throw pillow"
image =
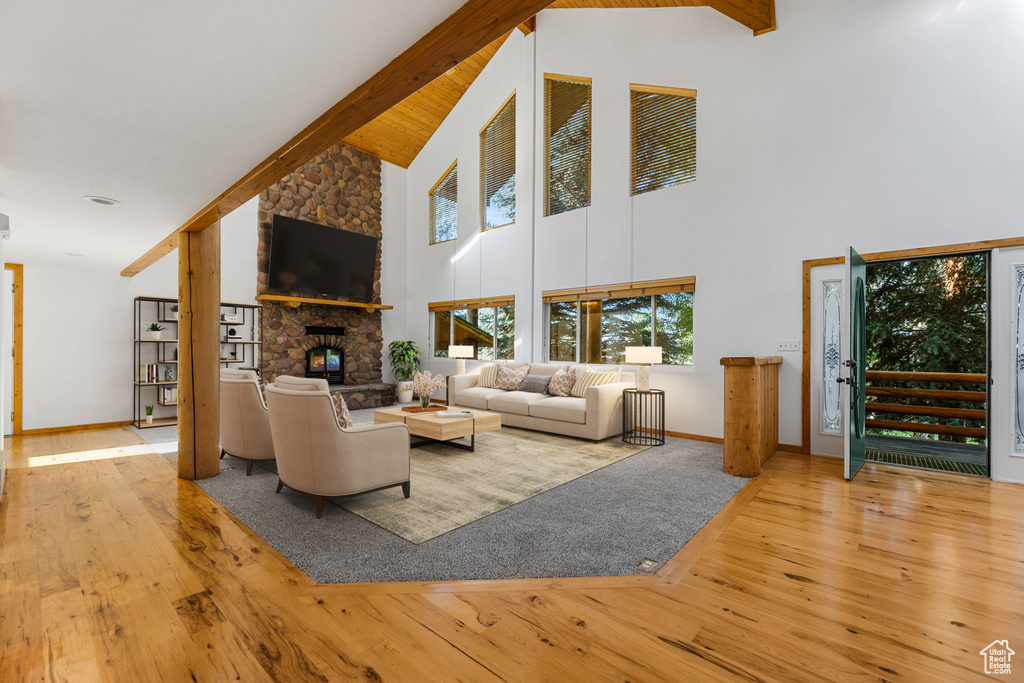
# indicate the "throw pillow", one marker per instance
pixel 562 382
pixel 488 375
pixel 535 384
pixel 589 378
pixel 509 379
pixel 341 410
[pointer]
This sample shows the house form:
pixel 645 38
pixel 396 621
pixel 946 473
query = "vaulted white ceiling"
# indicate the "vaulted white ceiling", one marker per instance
pixel 160 105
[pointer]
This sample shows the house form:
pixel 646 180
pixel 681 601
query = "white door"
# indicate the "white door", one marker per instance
pixel 7 349
pixel 828 322
pixel 1006 354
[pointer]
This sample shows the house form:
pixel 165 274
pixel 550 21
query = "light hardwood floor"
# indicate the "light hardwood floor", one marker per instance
pixel 111 568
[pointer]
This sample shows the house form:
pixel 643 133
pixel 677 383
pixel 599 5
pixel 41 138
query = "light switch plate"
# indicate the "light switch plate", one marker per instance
pixel 789 346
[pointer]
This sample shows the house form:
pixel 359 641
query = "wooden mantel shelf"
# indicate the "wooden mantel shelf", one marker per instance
pixel 296 301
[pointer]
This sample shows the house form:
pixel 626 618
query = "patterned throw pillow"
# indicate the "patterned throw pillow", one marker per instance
pixel 488 375
pixel 535 384
pixel 341 410
pixel 262 384
pixel 589 378
pixel 562 382
pixel 509 379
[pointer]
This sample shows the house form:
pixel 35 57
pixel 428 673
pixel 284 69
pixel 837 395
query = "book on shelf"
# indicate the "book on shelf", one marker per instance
pixel 453 413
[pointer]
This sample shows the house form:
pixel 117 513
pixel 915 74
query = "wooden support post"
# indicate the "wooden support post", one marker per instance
pixel 751 413
pixel 199 353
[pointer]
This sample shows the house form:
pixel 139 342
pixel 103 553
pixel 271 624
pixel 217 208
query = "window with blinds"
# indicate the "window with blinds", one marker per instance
pixel 498 167
pixel 444 206
pixel 567 114
pixel 664 137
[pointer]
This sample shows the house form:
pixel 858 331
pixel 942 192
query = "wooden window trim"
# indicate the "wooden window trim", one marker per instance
pixel 430 198
pixel 460 304
pixel 664 90
pixel 621 290
pixel 570 79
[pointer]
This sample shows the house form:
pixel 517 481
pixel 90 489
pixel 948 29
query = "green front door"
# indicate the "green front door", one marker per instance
pixel 856 364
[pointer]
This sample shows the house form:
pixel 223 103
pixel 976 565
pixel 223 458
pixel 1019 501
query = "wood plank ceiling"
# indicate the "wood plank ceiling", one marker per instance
pixel 398 135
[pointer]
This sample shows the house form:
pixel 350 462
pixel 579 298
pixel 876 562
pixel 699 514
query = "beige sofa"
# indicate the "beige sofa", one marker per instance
pixel 596 417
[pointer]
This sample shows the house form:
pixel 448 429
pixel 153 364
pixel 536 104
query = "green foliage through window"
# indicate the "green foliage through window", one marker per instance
pixel 490 331
pixel 599 331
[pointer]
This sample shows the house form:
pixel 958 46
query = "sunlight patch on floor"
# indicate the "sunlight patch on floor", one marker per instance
pixel 99 454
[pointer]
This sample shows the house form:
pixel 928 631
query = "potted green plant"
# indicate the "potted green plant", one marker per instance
pixel 155 329
pixel 405 357
pixel 149 415
pixel 174 311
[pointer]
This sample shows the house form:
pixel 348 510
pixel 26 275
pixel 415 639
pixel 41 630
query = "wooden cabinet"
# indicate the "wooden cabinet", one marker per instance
pixel 751 413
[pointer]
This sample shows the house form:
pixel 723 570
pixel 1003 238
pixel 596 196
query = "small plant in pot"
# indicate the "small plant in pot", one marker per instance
pixel 174 312
pixel 155 329
pixel 149 415
pixel 405 357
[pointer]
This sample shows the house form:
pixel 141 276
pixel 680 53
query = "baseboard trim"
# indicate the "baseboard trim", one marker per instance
pixel 790 448
pixel 74 428
pixel 696 437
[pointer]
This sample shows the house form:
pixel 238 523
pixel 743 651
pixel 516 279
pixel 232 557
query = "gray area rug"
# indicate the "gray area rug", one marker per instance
pixel 605 523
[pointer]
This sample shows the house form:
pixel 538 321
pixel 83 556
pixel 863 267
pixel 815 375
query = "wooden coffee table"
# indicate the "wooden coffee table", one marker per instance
pixel 432 429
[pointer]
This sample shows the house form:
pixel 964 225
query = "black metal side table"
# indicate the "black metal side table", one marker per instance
pixel 643 417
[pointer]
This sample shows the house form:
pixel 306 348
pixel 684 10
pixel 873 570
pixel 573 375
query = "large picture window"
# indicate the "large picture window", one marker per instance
pixel 664 137
pixel 596 324
pixel 444 206
pixel 567 143
pixel 498 167
pixel 488 325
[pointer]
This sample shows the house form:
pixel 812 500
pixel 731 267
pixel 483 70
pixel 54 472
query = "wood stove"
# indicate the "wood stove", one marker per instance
pixel 326 362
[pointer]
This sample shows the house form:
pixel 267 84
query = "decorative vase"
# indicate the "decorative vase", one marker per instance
pixel 425 401
pixel 404 392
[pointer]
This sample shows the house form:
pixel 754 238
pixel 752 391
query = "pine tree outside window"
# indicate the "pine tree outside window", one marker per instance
pixel 567 137
pixel 498 167
pixel 663 137
pixel 444 206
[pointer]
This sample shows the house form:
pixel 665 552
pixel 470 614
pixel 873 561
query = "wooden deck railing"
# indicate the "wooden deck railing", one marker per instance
pixel 927 409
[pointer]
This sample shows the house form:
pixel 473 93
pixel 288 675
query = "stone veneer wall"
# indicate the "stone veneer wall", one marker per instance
pixel 340 188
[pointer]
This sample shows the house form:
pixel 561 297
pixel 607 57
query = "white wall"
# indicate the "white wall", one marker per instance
pixel 393 260
pixel 877 124
pixel 77 335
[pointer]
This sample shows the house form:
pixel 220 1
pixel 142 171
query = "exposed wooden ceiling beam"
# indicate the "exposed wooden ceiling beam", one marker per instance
pixel 528 26
pixel 472 27
pixel 757 15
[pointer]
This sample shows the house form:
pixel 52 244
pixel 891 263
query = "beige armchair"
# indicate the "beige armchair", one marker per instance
pixel 316 455
pixel 244 423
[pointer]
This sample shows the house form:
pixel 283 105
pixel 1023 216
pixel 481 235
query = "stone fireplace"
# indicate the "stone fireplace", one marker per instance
pixel 339 188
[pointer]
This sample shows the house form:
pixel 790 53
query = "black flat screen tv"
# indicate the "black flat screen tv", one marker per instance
pixel 307 258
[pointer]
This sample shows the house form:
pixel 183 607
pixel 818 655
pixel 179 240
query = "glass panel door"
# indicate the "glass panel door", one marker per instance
pixel 856 364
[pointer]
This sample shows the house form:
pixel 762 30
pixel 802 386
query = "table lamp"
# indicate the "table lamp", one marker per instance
pixel 460 353
pixel 643 356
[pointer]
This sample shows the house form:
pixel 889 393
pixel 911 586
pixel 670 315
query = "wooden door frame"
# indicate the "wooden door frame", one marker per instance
pixel 16 340
pixel 943 250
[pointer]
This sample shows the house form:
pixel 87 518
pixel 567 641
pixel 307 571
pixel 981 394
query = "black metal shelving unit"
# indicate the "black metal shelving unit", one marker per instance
pixel 238 350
